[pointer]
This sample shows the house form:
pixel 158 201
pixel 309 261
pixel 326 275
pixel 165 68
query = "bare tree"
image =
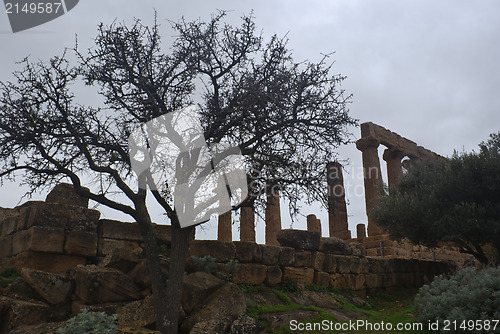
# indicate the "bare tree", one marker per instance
pixel 286 117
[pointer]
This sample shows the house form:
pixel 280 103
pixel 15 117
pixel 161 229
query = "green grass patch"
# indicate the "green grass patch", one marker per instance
pixel 7 276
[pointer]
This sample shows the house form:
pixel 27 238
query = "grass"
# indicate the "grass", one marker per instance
pixel 390 307
pixel 7 276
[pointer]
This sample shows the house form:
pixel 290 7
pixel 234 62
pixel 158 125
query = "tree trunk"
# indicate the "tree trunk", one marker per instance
pixel 179 251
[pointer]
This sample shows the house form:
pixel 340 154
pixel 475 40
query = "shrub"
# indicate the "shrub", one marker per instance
pixel 467 295
pixel 205 263
pixel 88 322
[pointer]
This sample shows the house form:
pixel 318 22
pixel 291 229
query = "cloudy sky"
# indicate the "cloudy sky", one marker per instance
pixel 428 70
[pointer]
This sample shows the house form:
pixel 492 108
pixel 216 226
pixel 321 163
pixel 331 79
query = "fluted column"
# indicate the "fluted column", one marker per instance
pixel 394 167
pixel 247 223
pixel 224 227
pixel 337 208
pixel 272 216
pixel 372 177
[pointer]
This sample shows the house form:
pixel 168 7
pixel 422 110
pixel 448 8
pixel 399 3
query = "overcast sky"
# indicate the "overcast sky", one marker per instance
pixel 428 70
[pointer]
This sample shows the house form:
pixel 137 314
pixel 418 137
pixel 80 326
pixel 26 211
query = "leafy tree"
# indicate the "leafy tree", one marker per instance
pixel 456 200
pixel 286 117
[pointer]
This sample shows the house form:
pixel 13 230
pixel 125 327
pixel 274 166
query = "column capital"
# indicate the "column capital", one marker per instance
pixel 393 154
pixel 365 143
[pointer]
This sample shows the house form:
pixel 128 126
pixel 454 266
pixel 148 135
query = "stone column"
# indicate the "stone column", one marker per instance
pixel 225 229
pixel 313 224
pixel 360 231
pixel 372 177
pixel 393 158
pixel 337 208
pixel 247 224
pixel 272 216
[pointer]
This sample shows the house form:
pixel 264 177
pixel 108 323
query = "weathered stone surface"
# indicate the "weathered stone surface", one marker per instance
pixel 248 251
pixel 15 313
pixel 140 273
pixel 274 276
pixel 349 281
pixel 361 231
pixel 9 225
pixel 55 289
pixel 109 308
pixel 330 263
pixel 102 285
pixel 64 193
pixel 250 273
pixel 212 326
pixel 122 259
pixel 247 224
pixel 278 319
pixel 106 246
pixel 227 301
pixel 6 246
pixel 299 275
pixel 270 254
pixel 196 287
pixel 343 315
pixel 272 216
pixel 313 223
pixel 318 299
pixel 303 240
pixel 287 256
pixel 52 263
pixel 38 239
pixel 321 278
pixel 334 245
pixel 46 328
pixel 337 208
pixel 114 229
pixel 318 259
pixel 246 325
pixel 225 227
pixel 303 259
pixel 222 251
pixel 81 243
pixel 141 313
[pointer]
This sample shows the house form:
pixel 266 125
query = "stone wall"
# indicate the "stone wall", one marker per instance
pixel 273 265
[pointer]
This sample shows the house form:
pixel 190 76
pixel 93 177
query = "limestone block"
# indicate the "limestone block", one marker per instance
pixel 330 263
pixel 9 225
pixel 299 275
pixel 120 258
pixel 16 313
pixel 250 273
pixel 274 276
pixel 321 278
pixel 81 243
pixel 318 259
pixel 374 281
pixel 345 264
pixel 270 254
pixel 363 265
pixel 55 289
pixel 49 262
pixel 303 259
pixel 62 216
pixel 303 240
pixel 106 246
pixel 248 251
pixel 6 246
pixel 95 285
pixel 38 239
pixel 222 251
pixel 113 229
pixel 196 287
pixel 287 256
pixel 335 245
pixel 65 193
pixel 140 313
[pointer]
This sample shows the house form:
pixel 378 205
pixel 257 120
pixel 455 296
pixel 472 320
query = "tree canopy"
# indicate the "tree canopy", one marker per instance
pixel 456 200
pixel 286 117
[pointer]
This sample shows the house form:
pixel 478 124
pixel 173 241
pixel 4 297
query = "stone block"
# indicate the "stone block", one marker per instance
pixel 122 259
pixel 298 239
pixel 164 234
pixel 221 251
pixel 321 278
pixel 16 313
pixel 250 273
pixel 109 308
pixel 303 259
pixel 196 287
pixel 373 281
pixel 81 243
pixel 248 251
pixel 106 246
pixel 345 263
pixel 330 263
pixel 6 246
pixel 318 259
pixel 9 225
pixel 38 239
pixel 363 265
pixel 270 254
pixel 274 276
pixel 94 285
pixel 55 289
pixel 299 275
pixel 114 229
pixel 335 245
pixel 49 262
pixel 287 256
pixel 64 193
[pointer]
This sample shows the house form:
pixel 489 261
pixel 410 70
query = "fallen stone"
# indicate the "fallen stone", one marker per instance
pixel 52 263
pixel 106 246
pixel 64 193
pixel 196 287
pixel 212 326
pixel 46 328
pixel 278 319
pixel 298 239
pixel 140 273
pixel 121 259
pixel 109 308
pixel 53 288
pixel 227 301
pixel 15 313
pixel 141 313
pixel 103 285
pixel 264 298
pixel 335 245
pixel 246 325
